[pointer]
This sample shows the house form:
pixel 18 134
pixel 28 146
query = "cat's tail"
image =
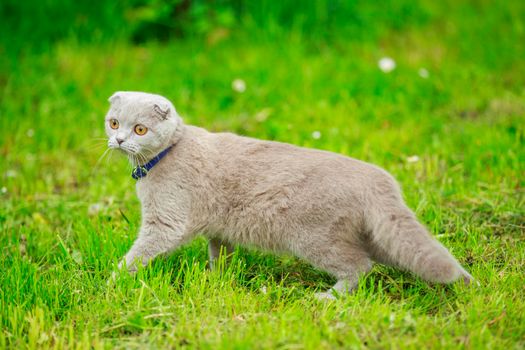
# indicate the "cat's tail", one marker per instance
pixel 405 243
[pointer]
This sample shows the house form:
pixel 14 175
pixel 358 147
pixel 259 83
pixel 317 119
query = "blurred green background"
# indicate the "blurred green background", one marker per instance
pixel 445 115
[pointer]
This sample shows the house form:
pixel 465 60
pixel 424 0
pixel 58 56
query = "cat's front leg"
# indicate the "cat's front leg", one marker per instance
pixel 153 240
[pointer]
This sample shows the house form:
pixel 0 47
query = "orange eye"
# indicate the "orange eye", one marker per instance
pixel 113 124
pixel 140 129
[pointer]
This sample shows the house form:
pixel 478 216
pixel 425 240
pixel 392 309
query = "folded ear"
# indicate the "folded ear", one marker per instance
pixel 115 97
pixel 163 110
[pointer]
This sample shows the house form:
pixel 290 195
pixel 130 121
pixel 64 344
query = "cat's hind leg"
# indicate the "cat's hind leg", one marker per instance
pixel 345 261
pixel 342 287
pixel 216 248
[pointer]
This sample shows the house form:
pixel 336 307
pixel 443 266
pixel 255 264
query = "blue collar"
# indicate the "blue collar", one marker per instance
pixel 141 171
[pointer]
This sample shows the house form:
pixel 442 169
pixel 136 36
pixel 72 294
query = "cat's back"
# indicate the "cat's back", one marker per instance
pixel 245 154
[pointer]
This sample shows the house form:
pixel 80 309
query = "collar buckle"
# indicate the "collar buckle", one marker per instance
pixel 139 172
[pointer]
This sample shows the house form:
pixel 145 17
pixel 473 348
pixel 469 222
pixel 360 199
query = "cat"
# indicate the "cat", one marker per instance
pixel 338 213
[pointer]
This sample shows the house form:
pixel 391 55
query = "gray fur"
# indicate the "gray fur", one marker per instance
pixel 338 213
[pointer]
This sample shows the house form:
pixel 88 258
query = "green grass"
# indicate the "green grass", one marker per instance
pixel 66 218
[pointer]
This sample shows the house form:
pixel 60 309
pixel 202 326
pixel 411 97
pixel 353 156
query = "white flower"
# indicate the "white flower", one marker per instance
pixel 76 255
pixel 423 73
pixel 413 159
pixel 30 133
pixel 4 189
pixel 239 85
pixel 263 115
pixel 387 64
pixel 94 208
pixel 316 135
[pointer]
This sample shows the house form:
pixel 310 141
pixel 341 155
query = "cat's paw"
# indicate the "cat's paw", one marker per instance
pixel 325 296
pixel 121 268
pixel 470 281
pixel 112 279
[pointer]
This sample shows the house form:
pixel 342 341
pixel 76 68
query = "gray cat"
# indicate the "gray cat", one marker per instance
pixel 338 213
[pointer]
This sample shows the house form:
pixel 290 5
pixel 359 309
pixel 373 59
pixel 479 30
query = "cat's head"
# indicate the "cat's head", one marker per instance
pixel 140 124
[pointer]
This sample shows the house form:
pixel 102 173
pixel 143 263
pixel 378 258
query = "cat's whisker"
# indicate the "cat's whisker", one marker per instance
pixel 137 159
pixel 102 157
pixel 96 147
pixel 143 159
pixel 96 141
pixel 146 148
pixel 93 144
pixel 99 160
pixel 109 158
pixel 132 161
pixel 150 151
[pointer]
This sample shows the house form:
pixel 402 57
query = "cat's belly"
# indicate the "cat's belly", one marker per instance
pixel 253 231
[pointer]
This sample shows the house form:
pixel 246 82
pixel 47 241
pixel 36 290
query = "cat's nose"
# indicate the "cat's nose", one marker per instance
pixel 119 140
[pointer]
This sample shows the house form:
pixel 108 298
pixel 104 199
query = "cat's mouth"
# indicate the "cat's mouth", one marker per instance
pixel 134 154
pixel 129 151
pixel 124 148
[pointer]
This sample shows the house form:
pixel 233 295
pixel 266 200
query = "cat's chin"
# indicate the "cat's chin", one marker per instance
pixel 127 151
pixel 133 156
pixel 137 158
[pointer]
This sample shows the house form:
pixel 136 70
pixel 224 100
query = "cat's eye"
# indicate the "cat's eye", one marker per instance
pixel 140 129
pixel 113 124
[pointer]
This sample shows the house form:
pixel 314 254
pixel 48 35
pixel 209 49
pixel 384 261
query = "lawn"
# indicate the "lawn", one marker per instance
pixel 448 122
